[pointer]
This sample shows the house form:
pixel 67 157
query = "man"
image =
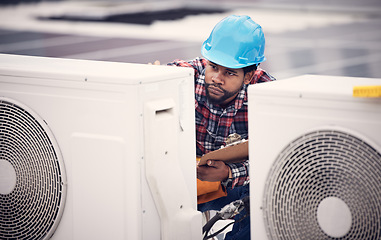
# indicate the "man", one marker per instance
pixel 231 54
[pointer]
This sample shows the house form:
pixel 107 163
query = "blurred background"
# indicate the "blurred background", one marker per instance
pixel 328 37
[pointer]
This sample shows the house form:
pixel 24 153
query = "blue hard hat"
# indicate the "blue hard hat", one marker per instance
pixel 235 42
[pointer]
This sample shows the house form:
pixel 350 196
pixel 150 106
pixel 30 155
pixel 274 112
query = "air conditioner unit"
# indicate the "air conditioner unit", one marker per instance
pixel 96 150
pixel 315 153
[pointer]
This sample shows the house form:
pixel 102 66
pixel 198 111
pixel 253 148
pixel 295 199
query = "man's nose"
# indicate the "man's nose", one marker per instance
pixel 217 78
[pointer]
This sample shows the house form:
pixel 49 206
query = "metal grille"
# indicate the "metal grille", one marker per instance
pixel 318 165
pixel 34 207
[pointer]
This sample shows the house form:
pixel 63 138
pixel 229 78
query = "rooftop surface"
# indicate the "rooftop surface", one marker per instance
pixel 340 38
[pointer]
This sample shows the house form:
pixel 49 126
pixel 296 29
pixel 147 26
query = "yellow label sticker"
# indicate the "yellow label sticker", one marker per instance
pixel 367 91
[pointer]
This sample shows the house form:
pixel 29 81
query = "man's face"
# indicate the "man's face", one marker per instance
pixel 223 84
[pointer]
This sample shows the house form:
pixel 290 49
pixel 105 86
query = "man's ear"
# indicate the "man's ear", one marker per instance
pixel 248 77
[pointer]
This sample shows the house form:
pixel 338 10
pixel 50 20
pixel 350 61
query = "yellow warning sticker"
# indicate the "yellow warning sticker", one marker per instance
pixel 367 91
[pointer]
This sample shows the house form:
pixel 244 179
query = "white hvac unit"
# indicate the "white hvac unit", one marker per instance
pixel 96 150
pixel 315 153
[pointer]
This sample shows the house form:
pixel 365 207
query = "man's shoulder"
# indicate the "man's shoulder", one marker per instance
pixel 260 76
pixel 195 63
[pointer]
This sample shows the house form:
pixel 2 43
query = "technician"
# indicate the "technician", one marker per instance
pixel 231 56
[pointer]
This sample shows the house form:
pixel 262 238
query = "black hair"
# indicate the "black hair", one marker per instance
pixel 250 68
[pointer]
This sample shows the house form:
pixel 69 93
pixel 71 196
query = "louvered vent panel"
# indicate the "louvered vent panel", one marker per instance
pixel 320 165
pixel 34 204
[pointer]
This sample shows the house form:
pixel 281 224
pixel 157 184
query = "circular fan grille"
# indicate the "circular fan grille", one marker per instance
pixel 34 205
pixel 320 165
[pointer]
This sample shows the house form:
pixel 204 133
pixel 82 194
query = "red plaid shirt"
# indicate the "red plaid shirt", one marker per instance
pixel 214 124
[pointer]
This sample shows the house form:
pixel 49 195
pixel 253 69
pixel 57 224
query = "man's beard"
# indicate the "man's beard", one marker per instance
pixel 221 99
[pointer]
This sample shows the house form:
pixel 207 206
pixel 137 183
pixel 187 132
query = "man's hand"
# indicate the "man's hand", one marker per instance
pixel 157 62
pixel 213 171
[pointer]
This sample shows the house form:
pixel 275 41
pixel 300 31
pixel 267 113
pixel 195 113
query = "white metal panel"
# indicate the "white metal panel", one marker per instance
pixel 81 71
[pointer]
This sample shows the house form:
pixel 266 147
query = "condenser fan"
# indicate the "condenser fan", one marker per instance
pixel 32 176
pixel 324 185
